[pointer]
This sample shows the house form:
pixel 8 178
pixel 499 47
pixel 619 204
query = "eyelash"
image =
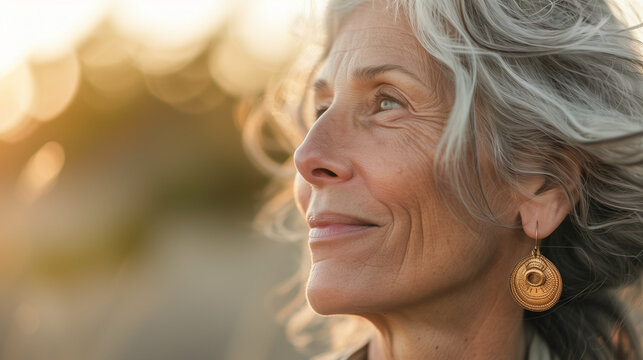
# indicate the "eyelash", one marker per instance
pixel 380 95
pixel 383 95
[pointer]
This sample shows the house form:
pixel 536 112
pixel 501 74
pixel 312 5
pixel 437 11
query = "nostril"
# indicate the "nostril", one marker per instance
pixel 323 172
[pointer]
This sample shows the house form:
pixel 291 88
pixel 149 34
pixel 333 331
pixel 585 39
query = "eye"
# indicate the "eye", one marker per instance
pixel 389 104
pixel 385 100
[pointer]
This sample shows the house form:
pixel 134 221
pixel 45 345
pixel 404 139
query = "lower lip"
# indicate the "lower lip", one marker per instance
pixel 336 231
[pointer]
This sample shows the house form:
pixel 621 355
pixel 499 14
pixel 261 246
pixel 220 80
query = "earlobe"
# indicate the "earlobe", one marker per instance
pixel 540 214
pixel 535 282
pixel 549 208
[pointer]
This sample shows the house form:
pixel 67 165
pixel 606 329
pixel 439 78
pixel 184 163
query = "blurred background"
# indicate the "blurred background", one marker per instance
pixel 126 199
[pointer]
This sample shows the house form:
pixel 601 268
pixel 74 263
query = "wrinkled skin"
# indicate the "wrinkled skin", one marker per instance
pixel 381 151
pixel 403 261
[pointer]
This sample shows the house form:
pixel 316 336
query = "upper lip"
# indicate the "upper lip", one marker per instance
pixel 327 218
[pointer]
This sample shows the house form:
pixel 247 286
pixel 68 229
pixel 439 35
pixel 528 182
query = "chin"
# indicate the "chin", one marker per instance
pixel 330 291
pixel 329 302
pixel 329 295
pixel 323 304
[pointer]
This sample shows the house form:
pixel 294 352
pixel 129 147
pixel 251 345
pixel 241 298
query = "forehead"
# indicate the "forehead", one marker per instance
pixel 371 36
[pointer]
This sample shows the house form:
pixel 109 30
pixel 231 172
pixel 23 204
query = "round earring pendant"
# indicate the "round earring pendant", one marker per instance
pixel 536 284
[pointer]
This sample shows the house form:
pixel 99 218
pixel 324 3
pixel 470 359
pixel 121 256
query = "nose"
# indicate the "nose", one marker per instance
pixel 319 159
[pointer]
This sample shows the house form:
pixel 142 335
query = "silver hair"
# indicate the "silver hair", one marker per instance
pixel 550 88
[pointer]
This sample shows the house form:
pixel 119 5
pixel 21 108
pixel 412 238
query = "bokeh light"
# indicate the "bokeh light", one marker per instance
pixel 125 196
pixel 169 23
pixel 235 70
pixel 44 29
pixel 16 94
pixel 55 85
pixel 41 171
pixel 265 29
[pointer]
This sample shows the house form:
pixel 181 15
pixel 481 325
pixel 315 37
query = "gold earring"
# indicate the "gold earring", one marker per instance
pixel 535 282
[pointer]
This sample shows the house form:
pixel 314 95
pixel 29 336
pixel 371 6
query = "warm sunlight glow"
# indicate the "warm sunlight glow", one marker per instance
pixel 55 84
pixel 265 28
pixel 16 91
pixel 44 29
pixel 41 171
pixel 165 60
pixel 169 22
pixel 631 13
pixel 109 71
pixel 236 71
pixel 181 87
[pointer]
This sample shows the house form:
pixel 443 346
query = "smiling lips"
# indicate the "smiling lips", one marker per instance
pixel 327 226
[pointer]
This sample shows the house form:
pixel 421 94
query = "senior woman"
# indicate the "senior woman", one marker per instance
pixel 472 179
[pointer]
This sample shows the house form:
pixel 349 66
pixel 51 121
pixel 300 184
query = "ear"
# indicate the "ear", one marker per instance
pixel 548 208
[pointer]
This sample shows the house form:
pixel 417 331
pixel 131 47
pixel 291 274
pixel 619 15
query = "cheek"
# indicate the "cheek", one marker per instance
pixel 425 238
pixel 302 193
pixel 400 168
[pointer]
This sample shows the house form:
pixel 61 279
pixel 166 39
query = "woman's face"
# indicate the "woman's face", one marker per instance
pixel 380 236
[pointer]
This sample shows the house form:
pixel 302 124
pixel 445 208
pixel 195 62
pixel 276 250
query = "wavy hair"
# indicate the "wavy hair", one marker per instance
pixel 541 87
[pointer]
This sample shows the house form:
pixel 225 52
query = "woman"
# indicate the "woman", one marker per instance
pixel 450 140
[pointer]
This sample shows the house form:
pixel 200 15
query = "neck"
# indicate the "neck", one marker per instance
pixel 485 325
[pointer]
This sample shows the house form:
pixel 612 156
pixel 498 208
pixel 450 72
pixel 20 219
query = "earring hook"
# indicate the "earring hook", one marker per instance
pixel 536 250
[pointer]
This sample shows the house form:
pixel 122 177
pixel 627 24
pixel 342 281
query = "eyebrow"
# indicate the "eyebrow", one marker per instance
pixel 368 73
